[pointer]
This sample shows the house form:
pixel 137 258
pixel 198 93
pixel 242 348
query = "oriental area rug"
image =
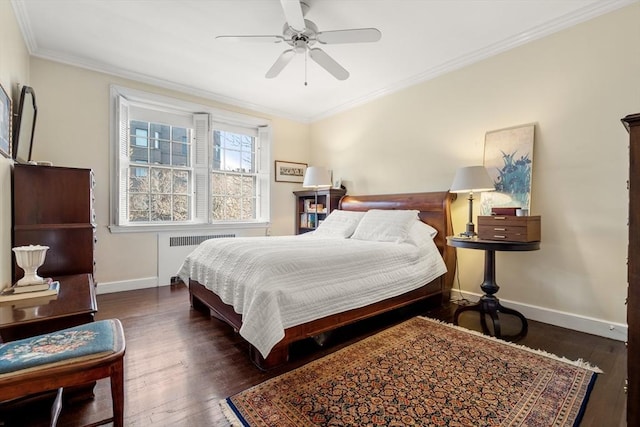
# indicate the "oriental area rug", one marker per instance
pixel 422 373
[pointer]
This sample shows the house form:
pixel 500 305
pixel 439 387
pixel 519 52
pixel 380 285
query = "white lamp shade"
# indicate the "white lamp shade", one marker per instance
pixel 316 177
pixel 472 179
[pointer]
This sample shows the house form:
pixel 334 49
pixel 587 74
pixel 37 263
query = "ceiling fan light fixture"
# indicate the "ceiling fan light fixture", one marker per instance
pixel 300 46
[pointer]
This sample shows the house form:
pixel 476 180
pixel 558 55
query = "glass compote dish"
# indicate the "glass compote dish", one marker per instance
pixel 30 258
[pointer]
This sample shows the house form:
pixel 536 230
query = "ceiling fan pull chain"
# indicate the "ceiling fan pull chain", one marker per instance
pixel 306 54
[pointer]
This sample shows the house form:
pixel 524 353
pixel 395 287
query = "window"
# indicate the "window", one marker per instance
pixel 159 187
pixel 233 175
pixel 180 164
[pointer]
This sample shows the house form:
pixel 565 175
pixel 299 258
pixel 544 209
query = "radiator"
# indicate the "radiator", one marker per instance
pixel 173 249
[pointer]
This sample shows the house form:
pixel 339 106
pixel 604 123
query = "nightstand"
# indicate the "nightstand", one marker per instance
pixel 489 303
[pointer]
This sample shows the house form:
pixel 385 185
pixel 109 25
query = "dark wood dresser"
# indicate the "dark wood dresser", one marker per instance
pixel 53 206
pixel 632 123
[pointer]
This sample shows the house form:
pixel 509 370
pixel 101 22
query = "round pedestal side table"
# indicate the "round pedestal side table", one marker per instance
pixel 489 303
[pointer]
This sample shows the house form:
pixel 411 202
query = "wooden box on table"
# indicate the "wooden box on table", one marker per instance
pixel 509 228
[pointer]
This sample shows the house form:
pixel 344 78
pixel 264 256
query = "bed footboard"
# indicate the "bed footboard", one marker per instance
pixel 202 298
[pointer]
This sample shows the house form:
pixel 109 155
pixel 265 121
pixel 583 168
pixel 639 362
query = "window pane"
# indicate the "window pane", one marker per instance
pixel 232 141
pixel 248 185
pixel 247 163
pixel 234 185
pixel 139 154
pixel 139 133
pixel 181 208
pixel 232 161
pixel 160 207
pixel 160 180
pixel 139 202
pixel 159 131
pixel 247 143
pixel 138 180
pixel 216 159
pixel 138 207
pixel 179 135
pixel 248 208
pixel 164 153
pixel 180 154
pixel 180 182
pixel 218 184
pixel 217 208
pixel 232 208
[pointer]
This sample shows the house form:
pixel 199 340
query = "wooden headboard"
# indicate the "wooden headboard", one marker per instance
pixel 434 208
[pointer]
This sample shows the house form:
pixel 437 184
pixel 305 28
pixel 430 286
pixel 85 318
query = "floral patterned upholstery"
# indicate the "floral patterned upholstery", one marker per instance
pixel 85 341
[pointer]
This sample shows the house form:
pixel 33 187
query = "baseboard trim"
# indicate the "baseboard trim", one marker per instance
pixel 589 325
pixel 127 285
pixel 576 322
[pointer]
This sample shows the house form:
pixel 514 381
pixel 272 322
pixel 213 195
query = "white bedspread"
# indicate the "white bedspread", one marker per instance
pixel 279 282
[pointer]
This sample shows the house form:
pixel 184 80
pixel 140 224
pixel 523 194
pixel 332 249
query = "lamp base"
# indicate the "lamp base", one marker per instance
pixel 470 231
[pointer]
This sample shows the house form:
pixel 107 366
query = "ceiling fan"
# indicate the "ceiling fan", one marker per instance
pixel 301 34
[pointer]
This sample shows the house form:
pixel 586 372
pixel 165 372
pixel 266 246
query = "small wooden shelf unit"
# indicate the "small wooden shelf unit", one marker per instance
pixel 305 213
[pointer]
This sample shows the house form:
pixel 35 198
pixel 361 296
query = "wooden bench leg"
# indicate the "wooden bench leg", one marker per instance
pixel 117 393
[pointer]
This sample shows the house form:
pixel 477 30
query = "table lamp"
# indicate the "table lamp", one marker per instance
pixel 316 177
pixel 470 179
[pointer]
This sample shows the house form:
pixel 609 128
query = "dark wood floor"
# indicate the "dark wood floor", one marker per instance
pixel 180 363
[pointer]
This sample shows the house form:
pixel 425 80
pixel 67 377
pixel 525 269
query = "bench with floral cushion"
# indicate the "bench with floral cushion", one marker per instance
pixel 65 358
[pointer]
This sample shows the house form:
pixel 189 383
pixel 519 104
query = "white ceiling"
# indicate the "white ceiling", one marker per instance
pixel 171 43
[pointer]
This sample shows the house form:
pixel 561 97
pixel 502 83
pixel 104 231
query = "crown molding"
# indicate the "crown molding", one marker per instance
pixel 581 15
pixel 165 84
pixel 20 11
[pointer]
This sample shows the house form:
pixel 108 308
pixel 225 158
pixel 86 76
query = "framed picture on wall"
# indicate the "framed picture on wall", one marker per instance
pixel 5 123
pixel 290 171
pixel 508 157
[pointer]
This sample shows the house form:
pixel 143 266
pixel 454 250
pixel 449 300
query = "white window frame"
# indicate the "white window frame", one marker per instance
pixel 203 135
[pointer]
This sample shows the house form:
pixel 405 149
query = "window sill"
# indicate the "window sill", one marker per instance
pixel 155 228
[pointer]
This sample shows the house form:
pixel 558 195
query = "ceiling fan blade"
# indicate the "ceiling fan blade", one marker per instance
pixel 282 61
pixel 357 35
pixel 252 39
pixel 293 14
pixel 328 63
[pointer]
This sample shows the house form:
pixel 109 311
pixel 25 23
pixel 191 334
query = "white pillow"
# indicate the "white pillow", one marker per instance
pixel 385 225
pixel 339 224
pixel 421 234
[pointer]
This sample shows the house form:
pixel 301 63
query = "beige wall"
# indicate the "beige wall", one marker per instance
pixel 14 70
pixel 576 85
pixel 73 130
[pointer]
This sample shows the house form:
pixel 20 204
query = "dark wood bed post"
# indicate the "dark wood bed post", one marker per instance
pixel 435 210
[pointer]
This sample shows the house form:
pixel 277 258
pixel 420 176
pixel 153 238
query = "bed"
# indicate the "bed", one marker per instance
pixel 319 316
